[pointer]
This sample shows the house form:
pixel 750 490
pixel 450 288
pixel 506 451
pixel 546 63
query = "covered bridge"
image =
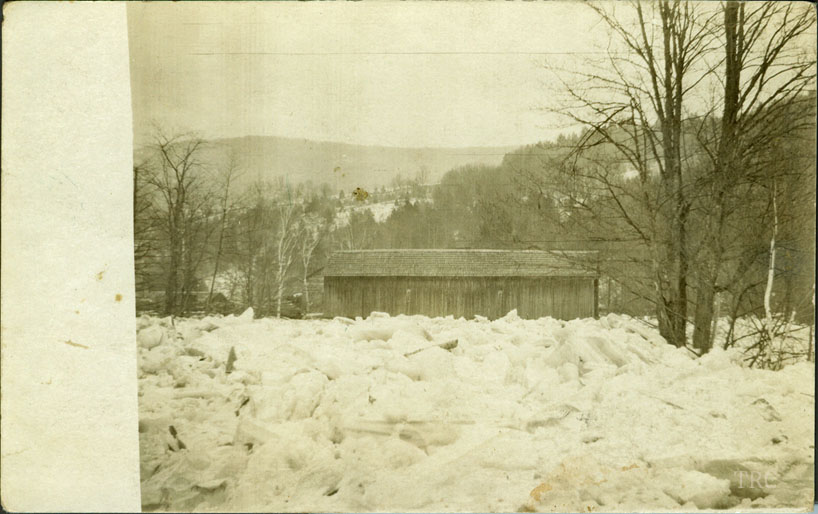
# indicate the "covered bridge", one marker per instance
pixel 560 284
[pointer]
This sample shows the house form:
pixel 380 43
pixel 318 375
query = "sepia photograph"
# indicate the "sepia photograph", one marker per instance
pixel 474 256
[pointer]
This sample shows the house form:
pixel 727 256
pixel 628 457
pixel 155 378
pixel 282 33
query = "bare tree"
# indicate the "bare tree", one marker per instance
pixel 230 172
pixel 641 115
pixel 313 229
pixel 768 313
pixel 146 228
pixel 177 175
pixel 765 73
pixel 250 232
pixel 357 232
pixel 286 238
pixel 692 155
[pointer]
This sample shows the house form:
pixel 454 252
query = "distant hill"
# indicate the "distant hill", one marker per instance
pixel 341 165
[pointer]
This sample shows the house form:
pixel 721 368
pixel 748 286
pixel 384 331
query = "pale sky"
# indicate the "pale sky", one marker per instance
pixel 394 74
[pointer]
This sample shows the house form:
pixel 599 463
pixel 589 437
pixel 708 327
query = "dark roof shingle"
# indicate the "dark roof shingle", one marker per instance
pixel 461 263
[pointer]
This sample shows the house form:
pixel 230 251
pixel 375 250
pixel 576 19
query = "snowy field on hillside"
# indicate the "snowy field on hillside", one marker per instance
pixel 380 212
pixel 411 413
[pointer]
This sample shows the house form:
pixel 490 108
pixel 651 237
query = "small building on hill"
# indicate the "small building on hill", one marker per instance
pixel 490 283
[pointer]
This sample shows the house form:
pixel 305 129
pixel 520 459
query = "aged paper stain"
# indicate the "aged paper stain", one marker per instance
pixel 538 491
pixel 118 297
pixel 360 194
pixel 72 343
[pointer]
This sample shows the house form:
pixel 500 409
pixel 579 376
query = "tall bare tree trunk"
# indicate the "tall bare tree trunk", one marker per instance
pixel 306 295
pixel 280 277
pixel 722 175
pixel 220 245
pixel 172 282
pixel 768 291
pixel 673 315
pixel 703 317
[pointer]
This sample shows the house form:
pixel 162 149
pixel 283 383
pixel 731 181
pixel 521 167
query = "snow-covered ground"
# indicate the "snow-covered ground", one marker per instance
pixel 390 414
pixel 380 212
